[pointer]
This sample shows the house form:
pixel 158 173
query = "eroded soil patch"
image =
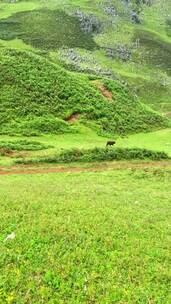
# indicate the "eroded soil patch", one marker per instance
pixel 94 168
pixel 73 118
pixel 105 92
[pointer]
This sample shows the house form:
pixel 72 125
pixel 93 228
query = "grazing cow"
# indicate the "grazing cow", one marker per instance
pixel 110 143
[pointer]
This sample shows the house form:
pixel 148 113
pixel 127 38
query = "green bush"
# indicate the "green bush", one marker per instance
pixel 23 145
pixel 99 154
pixel 34 126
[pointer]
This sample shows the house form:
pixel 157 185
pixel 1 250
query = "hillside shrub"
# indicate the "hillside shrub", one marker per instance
pixel 34 126
pixel 23 145
pixel 99 154
pixel 49 90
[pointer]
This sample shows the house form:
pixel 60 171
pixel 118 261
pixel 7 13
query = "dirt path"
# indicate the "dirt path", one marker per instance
pixel 93 168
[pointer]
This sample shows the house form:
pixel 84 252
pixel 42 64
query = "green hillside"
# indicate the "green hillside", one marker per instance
pixel 31 87
pixel 119 41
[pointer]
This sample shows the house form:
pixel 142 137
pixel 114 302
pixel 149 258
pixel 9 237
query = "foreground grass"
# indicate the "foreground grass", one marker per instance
pixel 86 238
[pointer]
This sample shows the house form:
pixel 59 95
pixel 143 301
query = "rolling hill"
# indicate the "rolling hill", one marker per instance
pixel 34 92
pixel 123 47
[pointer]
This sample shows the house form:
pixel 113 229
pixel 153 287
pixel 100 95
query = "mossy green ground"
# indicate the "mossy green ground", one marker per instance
pixel 86 238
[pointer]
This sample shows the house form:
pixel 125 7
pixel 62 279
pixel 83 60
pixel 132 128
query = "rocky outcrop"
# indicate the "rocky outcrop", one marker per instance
pixel 89 23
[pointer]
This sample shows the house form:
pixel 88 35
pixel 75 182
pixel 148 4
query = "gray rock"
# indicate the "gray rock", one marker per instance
pixel 89 23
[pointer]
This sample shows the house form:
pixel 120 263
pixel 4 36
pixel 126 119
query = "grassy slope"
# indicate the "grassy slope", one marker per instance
pixel 86 238
pixel 142 74
pixel 48 89
pixel 139 72
pixel 151 61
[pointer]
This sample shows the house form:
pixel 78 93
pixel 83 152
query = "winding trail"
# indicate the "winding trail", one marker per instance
pixel 94 168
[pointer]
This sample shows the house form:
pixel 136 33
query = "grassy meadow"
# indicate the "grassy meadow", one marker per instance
pixel 86 139
pixel 86 238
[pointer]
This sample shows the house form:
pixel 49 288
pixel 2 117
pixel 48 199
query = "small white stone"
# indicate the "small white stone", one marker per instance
pixel 10 237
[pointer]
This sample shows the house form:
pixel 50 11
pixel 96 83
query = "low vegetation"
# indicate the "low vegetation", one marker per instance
pixel 35 126
pixel 86 238
pixel 97 154
pixel 141 50
pixel 45 29
pixel 157 53
pixel 49 90
pixel 23 145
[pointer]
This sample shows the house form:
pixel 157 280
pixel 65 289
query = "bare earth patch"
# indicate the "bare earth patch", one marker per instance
pixel 106 93
pixel 73 118
pixel 94 168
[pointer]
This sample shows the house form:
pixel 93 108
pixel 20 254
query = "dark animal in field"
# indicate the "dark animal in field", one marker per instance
pixel 110 143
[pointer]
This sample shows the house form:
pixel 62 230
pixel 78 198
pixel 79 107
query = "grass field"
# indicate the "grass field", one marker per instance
pixel 86 238
pixel 88 139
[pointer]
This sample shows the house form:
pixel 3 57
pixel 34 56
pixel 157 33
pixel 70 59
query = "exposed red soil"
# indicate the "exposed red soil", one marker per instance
pixel 106 93
pixel 73 117
pixel 95 168
pixel 6 152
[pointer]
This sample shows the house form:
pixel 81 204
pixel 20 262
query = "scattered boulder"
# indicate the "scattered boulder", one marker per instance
pixel 135 17
pixel 120 52
pixel 89 23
